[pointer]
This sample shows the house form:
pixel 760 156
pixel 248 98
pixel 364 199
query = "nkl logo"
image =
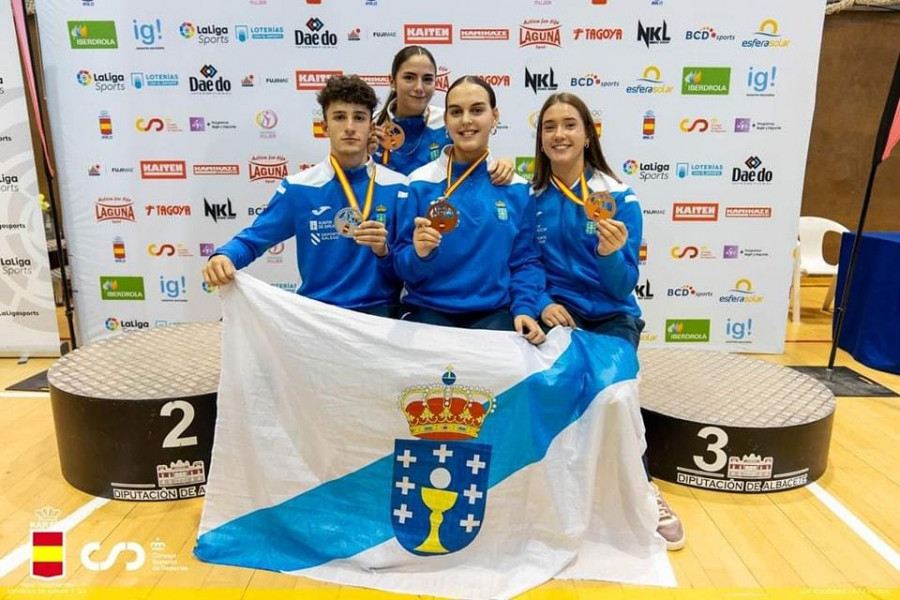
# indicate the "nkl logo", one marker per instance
pixel 540 81
pixel 219 211
pixel 653 35
pixel 642 290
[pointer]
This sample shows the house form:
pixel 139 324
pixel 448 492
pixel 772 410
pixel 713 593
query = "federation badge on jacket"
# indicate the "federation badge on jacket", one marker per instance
pixel 440 481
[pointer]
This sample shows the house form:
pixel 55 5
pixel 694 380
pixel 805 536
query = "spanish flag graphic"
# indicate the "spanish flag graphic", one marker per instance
pixel 47 554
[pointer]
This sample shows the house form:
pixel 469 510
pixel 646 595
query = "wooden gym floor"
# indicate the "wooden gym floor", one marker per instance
pixel 838 538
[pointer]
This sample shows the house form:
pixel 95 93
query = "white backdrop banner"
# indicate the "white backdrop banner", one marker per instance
pixel 28 324
pixel 173 124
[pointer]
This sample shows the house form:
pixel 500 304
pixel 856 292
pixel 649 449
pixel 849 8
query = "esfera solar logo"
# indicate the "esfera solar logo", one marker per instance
pixel 650 82
pixel 646 171
pixel 742 293
pixel 767 37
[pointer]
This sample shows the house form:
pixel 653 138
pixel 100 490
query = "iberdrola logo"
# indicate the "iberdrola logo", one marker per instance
pixel 440 480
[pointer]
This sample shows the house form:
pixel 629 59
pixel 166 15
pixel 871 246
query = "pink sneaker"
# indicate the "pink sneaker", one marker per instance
pixel 669 526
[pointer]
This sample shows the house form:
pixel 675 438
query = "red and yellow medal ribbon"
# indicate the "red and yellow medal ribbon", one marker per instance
pixel 348 191
pixel 453 185
pixel 568 193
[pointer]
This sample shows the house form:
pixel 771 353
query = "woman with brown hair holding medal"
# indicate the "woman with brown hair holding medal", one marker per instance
pixel 466 248
pixel 409 131
pixel 589 230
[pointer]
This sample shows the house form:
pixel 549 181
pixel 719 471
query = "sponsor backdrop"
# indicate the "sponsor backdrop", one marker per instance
pixel 27 310
pixel 174 123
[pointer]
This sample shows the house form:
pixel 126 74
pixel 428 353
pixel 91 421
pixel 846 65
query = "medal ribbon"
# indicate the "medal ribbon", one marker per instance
pixel 568 193
pixel 452 187
pixel 348 191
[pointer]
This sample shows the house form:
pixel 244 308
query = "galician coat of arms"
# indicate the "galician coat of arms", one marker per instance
pixel 440 481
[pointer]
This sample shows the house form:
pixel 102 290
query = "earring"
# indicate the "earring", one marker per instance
pixel 494 130
pixel 586 143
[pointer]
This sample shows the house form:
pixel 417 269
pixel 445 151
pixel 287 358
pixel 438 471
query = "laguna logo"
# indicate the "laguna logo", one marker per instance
pixel 539 33
pixel 115 209
pixel 427 33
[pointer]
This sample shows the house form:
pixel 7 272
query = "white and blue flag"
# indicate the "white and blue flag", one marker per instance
pixel 422 459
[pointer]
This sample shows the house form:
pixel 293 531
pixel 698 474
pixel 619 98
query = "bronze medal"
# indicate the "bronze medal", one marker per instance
pixel 443 216
pixel 599 206
pixel 394 136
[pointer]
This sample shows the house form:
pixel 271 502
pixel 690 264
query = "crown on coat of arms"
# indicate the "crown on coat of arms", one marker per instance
pixel 444 411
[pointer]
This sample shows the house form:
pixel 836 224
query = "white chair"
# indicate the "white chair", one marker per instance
pixel 811 261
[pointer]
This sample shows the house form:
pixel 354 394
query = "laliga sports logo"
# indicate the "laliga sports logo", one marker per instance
pixel 112 324
pixel 440 481
pixel 84 77
pixel 187 30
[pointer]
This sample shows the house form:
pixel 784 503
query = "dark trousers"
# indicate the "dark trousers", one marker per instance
pixel 500 320
pixel 385 310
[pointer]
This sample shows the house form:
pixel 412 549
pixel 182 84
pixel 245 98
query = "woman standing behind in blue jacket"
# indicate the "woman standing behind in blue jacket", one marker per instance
pixel 465 247
pixel 409 130
pixel 589 229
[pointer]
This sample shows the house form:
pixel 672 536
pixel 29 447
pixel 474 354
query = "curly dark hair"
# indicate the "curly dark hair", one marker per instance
pixel 347 88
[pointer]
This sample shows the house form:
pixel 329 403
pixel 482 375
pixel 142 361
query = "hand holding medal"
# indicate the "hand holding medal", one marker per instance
pixel 351 222
pixel 443 216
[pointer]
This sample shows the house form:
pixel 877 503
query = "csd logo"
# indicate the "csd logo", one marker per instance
pixel 132 565
pixel 685 252
pixel 689 126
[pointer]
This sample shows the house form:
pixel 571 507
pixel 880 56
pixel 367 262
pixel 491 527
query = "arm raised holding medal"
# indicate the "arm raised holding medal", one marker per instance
pixel 466 247
pixel 341 212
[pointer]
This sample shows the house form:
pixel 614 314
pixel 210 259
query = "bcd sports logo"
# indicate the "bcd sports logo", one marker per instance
pixel 92 35
pixel 687 330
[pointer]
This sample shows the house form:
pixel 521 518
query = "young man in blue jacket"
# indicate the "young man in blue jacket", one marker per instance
pixel 341 211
